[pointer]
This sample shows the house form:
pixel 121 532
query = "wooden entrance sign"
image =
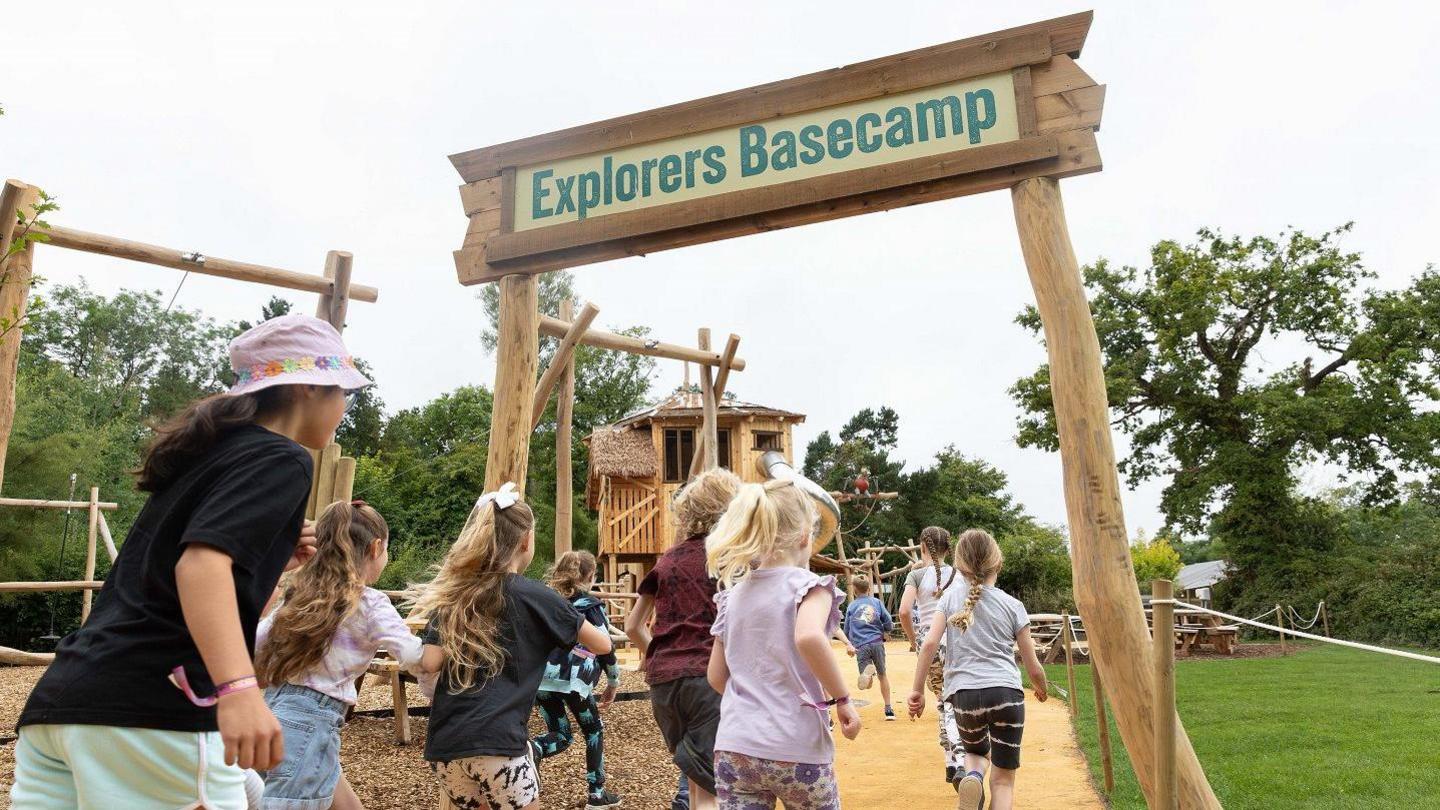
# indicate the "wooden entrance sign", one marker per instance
pixel 1010 109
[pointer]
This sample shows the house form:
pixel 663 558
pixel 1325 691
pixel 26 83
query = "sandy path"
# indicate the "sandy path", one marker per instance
pixel 899 764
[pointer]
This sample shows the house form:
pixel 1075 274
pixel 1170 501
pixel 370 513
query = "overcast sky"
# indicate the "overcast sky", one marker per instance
pixel 272 132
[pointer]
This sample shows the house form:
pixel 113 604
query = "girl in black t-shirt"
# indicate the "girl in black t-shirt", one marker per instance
pixel 153 702
pixel 490 635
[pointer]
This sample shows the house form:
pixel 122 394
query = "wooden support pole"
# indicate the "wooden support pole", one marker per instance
pixel 88 596
pixel 517 357
pixel 16 271
pixel 554 327
pixel 706 447
pixel 563 357
pixel 104 506
pixel 61 585
pixel 1069 666
pixel 564 475
pixel 722 377
pixel 1105 586
pixel 1280 623
pixel 1163 601
pixel 10 656
pixel 1103 724
pixel 109 540
pixel 334 304
pixel 211 266
pixel 1325 618
pixel 344 486
pixel 402 709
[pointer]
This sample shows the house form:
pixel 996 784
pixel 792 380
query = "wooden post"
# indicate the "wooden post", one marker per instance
pixel 1280 623
pixel 517 357
pixel 563 360
pixel 707 445
pixel 88 596
pixel 1163 601
pixel 343 487
pixel 1325 618
pixel 1105 587
pixel 722 377
pixel 564 477
pixel 15 275
pixel 333 305
pixel 1103 724
pixel 402 708
pixel 1069 665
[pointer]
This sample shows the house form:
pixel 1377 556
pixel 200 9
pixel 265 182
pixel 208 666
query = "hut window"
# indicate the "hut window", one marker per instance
pixel 722 446
pixel 679 450
pixel 765 440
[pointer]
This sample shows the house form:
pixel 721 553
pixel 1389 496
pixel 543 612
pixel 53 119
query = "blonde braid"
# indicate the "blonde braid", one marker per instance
pixel 937 541
pixel 978 556
pixel 962 620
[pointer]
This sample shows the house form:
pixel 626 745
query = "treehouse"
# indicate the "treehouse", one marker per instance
pixel 639 463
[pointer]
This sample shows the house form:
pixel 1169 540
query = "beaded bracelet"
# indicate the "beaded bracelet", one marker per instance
pixel 177 677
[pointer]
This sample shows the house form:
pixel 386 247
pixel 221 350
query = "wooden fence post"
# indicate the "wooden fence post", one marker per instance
pixel 517 357
pixel 564 476
pixel 1106 591
pixel 1280 622
pixel 1325 618
pixel 88 596
pixel 1163 602
pixel 1103 724
pixel 1069 665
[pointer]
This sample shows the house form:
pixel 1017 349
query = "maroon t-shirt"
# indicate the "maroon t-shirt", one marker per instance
pixel 684 597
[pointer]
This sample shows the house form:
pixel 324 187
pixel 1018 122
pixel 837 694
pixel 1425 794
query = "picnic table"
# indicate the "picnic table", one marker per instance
pixel 1195 628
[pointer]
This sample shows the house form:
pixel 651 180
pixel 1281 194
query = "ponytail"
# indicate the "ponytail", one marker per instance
pixel 937 542
pixel 568 572
pixel 762 519
pixel 185 438
pixel 978 556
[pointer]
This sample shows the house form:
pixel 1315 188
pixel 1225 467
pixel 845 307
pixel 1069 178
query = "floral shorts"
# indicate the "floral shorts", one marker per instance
pixel 490 783
pixel 751 783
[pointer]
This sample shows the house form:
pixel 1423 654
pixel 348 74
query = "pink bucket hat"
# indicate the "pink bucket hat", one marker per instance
pixel 292 350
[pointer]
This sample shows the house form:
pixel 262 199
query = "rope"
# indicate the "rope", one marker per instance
pixel 1261 616
pixel 1300 623
pixel 1429 659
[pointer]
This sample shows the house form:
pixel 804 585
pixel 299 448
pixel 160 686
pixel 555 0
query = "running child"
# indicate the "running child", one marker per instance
pixel 981 626
pixel 866 623
pixel 924 588
pixel 490 636
pixel 772 661
pixel 571 677
pixel 227 480
pixel 680 595
pixel 314 646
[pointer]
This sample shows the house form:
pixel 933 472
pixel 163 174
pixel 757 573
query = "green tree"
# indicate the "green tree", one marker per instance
pixel 1154 559
pixel 1182 341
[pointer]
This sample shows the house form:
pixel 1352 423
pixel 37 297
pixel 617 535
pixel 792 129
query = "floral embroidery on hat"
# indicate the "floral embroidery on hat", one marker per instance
pixel 274 368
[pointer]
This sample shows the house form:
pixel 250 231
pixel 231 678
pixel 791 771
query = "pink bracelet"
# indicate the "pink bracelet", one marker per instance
pixel 177 677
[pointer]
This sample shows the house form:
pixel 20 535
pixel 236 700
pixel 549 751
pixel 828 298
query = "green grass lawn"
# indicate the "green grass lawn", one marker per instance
pixel 1326 727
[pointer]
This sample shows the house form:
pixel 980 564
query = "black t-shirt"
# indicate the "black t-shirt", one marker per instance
pixel 246 497
pixel 489 718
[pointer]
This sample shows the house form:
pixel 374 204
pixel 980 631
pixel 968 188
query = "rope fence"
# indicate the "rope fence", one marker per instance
pixel 1429 659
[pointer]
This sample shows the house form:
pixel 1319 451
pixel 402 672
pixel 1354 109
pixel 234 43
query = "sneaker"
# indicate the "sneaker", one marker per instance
pixel 972 791
pixel 889 713
pixel 867 676
pixel 604 799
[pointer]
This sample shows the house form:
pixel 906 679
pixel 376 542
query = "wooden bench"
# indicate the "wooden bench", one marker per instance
pixel 388 669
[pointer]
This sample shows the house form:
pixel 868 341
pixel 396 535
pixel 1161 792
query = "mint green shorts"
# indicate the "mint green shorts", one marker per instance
pixel 58 767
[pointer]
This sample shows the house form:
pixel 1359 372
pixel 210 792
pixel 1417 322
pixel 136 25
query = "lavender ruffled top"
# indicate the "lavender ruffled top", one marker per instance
pixel 763 712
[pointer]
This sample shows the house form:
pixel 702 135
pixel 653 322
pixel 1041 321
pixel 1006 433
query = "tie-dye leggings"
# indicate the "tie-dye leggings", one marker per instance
pixel 751 783
pixel 992 721
pixel 949 731
pixel 490 783
pixel 552 707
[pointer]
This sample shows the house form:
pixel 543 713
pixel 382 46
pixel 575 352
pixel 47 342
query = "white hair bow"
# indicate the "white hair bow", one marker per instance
pixel 503 498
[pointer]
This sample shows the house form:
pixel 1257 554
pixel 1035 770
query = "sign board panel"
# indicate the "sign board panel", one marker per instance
pixel 973 115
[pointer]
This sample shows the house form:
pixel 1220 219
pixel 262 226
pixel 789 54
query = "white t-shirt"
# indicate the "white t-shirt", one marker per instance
pixel 923 580
pixel 984 655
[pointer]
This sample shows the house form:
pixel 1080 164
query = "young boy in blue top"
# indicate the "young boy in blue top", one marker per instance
pixel 866 623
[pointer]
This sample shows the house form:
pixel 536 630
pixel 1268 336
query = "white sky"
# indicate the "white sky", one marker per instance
pixel 273 131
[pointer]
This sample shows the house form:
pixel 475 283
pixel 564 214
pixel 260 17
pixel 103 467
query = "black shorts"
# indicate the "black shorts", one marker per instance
pixel 688 713
pixel 991 722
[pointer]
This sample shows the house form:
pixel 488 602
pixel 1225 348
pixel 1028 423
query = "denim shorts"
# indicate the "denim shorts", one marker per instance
pixel 872 653
pixel 310 722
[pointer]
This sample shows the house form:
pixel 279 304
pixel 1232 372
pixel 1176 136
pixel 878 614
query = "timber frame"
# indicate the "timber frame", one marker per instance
pixel 1057 107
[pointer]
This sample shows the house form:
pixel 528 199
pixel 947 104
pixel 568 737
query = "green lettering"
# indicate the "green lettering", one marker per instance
pixel 753 157
pixel 972 112
pixel 814 150
pixel 538 192
pixel 862 126
pixel 670 173
pixel 902 127
pixel 934 110
pixel 838 136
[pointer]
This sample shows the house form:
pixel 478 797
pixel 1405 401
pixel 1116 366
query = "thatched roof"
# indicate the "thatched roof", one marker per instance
pixel 622 453
pixel 690 403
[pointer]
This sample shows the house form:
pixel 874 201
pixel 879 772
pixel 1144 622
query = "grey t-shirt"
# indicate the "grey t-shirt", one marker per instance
pixel 984 655
pixel 924 582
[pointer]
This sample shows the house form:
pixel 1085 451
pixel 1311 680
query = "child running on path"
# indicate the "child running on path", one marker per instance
pixel 924 588
pixel 490 635
pixel 680 594
pixel 981 625
pixel 772 660
pixel 866 623
pixel 316 644
pixel 571 677
pixel 227 480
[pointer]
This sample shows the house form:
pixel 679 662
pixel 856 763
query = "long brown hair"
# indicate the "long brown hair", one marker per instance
pixel 978 557
pixel 937 543
pixel 467 595
pixel 573 569
pixel 189 435
pixel 322 594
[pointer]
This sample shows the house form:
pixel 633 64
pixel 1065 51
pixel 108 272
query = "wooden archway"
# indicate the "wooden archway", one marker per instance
pixel 1027 114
